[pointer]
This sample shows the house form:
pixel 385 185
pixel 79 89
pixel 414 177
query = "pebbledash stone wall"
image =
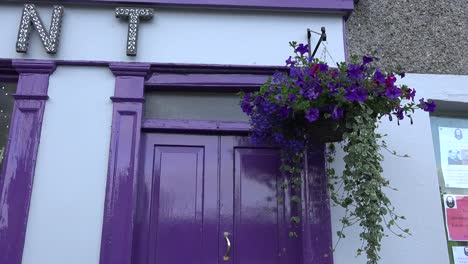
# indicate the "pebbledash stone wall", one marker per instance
pixel 422 36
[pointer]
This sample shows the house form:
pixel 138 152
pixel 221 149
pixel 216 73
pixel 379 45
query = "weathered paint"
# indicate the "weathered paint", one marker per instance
pixel 120 203
pixel 20 158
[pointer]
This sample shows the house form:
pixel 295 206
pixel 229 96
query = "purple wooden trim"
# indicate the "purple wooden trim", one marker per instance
pixel 216 81
pixel 20 159
pixel 345 40
pixel 120 201
pixel 30 97
pixel 316 219
pixel 129 69
pixel 123 99
pixel 310 5
pixel 6 67
pixel 195 125
pixel 7 71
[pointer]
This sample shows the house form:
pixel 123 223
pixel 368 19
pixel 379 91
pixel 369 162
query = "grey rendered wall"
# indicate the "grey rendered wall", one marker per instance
pixel 423 36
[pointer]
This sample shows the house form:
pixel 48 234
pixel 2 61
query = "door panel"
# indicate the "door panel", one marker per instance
pixel 180 191
pixel 193 188
pixel 258 220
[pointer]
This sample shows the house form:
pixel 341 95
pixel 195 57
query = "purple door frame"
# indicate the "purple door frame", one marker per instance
pixel 120 201
pixel 127 124
pixel 20 160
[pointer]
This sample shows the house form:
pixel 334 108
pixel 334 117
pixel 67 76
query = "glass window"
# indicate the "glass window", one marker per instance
pixel 194 106
pixel 450 136
pixel 6 108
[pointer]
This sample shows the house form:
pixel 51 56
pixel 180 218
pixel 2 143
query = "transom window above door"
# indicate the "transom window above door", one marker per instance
pixel 222 106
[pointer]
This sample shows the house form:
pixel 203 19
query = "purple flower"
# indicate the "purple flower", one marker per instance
pixel 322 67
pixel 284 111
pixel 367 60
pixel 332 87
pixel 337 113
pixel 400 114
pixel 379 77
pixel 279 97
pixel 302 49
pixel 393 92
pixel 361 95
pixel 429 106
pixel 312 115
pixel 351 95
pixel 290 61
pixel 292 97
pixel 390 80
pixel 410 94
pixel 354 71
pixel 246 106
pixel 311 94
pixel 402 74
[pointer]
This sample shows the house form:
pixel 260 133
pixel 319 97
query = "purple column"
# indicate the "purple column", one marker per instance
pixel 316 224
pixel 120 204
pixel 20 159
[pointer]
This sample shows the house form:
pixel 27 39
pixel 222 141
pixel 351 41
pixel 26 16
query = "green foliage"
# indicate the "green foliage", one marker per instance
pixel 360 188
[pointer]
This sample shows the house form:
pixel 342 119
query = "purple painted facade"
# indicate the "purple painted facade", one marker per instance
pixel 120 201
pixel 311 5
pixel 20 159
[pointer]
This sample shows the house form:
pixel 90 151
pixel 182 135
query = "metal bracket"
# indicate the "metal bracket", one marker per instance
pixel 323 37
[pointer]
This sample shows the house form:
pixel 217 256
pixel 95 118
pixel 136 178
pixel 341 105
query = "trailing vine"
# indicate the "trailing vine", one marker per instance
pixel 292 106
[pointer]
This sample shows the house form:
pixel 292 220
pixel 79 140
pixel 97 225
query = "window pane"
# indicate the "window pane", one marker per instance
pixel 6 108
pixel 194 106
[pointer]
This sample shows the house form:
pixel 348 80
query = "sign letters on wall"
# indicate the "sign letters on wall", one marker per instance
pixel 30 20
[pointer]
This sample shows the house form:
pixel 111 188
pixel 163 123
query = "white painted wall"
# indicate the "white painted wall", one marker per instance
pixel 68 196
pixel 415 178
pixel 177 35
pixel 66 212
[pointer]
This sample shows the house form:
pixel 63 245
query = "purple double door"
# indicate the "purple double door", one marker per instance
pixel 206 199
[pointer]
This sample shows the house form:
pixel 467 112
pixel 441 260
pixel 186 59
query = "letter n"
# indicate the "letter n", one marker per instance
pixel 30 19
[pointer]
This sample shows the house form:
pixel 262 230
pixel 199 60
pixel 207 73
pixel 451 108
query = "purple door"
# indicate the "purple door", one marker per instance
pixel 199 193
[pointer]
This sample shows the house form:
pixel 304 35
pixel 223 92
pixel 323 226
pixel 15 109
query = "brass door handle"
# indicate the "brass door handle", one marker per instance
pixel 228 246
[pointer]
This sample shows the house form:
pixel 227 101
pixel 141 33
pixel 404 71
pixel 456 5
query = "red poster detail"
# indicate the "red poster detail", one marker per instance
pixel 456 214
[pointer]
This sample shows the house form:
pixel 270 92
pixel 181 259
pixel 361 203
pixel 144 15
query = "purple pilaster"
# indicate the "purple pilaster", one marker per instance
pixel 120 203
pixel 316 225
pixel 20 159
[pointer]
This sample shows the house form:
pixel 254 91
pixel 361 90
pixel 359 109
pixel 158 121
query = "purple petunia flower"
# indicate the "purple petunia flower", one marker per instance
pixel 246 105
pixel 354 71
pixel 411 93
pixel 311 94
pixel 322 67
pixel 312 115
pixel 302 49
pixel 337 113
pixel 428 106
pixel 284 111
pixel 350 95
pixel 361 95
pixel 393 92
pixel 390 80
pixel 292 97
pixel 379 77
pixel 400 114
pixel 367 60
pixel 290 61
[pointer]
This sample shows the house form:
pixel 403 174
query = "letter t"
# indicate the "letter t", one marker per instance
pixel 134 15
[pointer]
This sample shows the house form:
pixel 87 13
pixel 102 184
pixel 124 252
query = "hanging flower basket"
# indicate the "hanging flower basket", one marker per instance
pixel 315 103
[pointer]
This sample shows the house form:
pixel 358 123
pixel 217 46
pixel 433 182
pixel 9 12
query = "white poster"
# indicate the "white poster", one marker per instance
pixel 454 156
pixel 460 255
